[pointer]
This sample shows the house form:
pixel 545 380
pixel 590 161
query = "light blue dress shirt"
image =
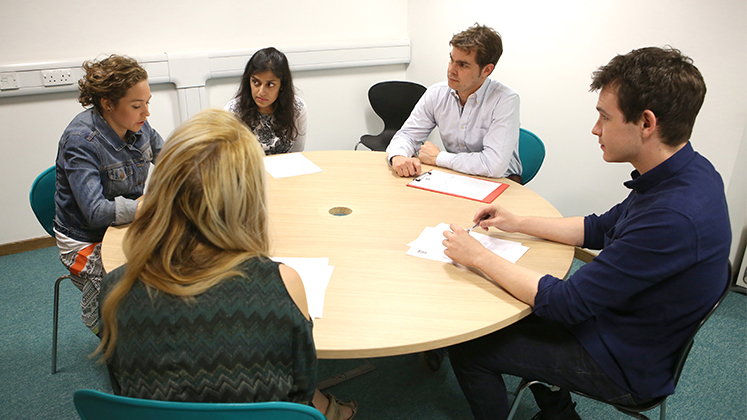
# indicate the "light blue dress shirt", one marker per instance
pixel 481 138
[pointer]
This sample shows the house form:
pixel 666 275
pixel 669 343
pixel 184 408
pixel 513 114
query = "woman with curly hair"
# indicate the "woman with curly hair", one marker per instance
pixel 266 102
pixel 102 164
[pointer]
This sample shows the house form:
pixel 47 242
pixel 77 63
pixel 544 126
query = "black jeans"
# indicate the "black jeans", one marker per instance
pixel 534 349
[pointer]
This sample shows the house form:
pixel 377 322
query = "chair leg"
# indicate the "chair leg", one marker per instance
pixel 663 410
pixel 55 319
pixel 365 367
pixel 521 389
pixel 523 385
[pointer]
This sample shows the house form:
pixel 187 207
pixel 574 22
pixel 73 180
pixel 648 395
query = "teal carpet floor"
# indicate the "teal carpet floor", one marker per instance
pixel 713 384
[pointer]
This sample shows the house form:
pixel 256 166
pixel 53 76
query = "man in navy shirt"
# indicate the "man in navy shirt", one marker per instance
pixel 613 329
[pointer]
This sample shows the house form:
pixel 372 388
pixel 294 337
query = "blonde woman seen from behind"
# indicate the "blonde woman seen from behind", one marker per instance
pixel 199 312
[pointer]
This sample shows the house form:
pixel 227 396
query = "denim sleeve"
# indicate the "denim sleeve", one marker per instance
pixel 125 210
pixel 81 164
pixel 658 245
pixel 156 142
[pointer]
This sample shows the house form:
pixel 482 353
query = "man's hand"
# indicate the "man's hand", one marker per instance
pixel 405 166
pixel 466 250
pixel 461 247
pixel 428 153
pixel 566 230
pixel 496 216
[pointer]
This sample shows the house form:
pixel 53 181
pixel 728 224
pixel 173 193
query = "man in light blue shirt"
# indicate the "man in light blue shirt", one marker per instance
pixel 478 118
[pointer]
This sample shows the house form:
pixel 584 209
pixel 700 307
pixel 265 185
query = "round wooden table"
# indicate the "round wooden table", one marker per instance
pixel 380 301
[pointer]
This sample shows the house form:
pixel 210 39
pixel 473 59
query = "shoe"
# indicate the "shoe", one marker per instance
pixel 334 409
pixel 569 414
pixel 433 359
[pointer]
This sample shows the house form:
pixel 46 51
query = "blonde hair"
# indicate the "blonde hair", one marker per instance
pixel 204 214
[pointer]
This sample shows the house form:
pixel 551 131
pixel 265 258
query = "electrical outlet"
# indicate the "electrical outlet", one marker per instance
pixel 57 77
pixel 8 81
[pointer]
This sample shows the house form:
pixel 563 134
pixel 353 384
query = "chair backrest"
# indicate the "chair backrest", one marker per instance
pixel 393 101
pixel 531 153
pixel 96 405
pixel 682 357
pixel 41 198
pixel 691 340
pixel 638 410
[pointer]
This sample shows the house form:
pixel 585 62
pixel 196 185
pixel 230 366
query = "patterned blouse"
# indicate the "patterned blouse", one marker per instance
pixel 243 340
pixel 265 132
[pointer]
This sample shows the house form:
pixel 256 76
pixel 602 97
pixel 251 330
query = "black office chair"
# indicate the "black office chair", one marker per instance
pixel 392 101
pixel 637 410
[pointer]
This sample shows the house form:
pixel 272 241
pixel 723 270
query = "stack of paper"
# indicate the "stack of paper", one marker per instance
pixel 430 245
pixel 289 164
pixel 315 274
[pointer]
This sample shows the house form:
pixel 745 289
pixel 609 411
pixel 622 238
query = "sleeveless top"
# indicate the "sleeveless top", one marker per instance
pixel 242 340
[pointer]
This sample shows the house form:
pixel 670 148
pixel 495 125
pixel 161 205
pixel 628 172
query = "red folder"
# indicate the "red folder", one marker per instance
pixel 458 185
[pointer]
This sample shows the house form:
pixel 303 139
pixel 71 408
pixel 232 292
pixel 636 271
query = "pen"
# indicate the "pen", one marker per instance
pixel 486 217
pixel 419 177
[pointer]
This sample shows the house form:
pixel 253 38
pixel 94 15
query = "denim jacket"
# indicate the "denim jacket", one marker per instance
pixel 99 175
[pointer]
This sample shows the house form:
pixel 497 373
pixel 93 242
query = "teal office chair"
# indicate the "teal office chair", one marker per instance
pixel 41 198
pixel 531 154
pixel 96 405
pixel 661 402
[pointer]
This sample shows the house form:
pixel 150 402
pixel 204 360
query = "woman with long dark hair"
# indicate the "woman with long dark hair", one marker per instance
pixel 266 102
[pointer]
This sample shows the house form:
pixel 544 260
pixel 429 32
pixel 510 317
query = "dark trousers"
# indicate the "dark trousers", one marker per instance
pixel 534 349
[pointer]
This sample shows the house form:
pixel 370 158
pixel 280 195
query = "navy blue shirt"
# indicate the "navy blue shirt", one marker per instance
pixel 662 266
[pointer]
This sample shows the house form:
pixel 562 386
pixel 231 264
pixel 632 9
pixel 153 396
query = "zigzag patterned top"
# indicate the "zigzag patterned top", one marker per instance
pixel 243 340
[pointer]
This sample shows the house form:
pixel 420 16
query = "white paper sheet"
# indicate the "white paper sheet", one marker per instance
pixel 315 274
pixel 289 164
pixel 460 185
pixel 429 245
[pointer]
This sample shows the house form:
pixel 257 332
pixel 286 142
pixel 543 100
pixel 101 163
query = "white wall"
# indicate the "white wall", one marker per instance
pixel 737 194
pixel 46 31
pixel 551 48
